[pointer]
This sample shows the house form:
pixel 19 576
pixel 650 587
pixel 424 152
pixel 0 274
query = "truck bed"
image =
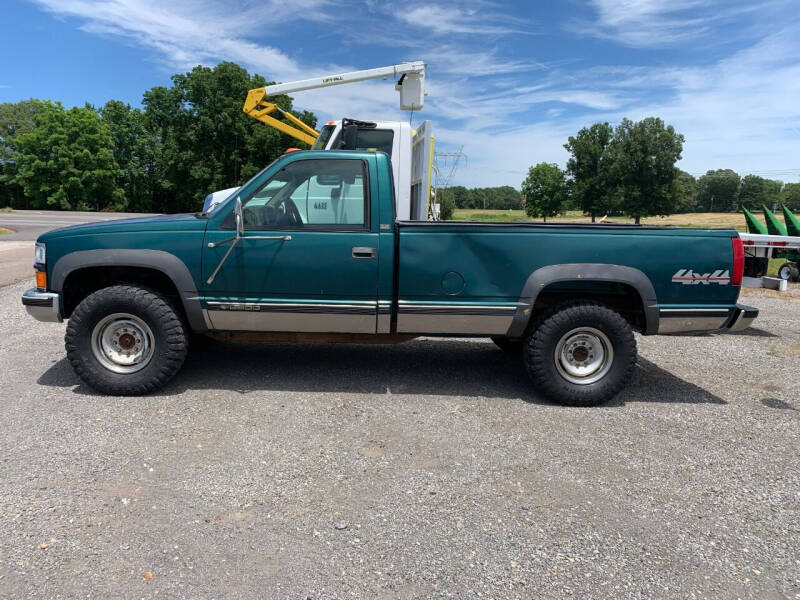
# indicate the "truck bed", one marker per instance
pixel 469 277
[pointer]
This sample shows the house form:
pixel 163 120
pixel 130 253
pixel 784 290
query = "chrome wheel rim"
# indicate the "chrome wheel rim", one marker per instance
pixel 122 343
pixel 785 272
pixel 584 355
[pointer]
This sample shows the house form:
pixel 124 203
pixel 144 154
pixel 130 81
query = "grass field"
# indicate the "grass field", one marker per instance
pixel 725 220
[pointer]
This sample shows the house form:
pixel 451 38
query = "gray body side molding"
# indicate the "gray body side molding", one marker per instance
pixel 168 264
pixel 544 276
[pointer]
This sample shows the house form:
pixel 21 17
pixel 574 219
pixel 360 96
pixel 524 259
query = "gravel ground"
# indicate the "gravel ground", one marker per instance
pixel 16 262
pixel 428 469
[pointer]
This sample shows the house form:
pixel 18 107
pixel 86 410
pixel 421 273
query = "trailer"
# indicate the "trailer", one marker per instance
pixel 772 239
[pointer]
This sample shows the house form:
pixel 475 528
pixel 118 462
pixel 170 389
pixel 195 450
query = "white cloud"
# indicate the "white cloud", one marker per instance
pixel 458 60
pixel 662 23
pixel 478 18
pixel 185 33
pixel 488 107
pixel 740 112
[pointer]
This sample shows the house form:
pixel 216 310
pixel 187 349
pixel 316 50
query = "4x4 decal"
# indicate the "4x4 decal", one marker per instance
pixel 689 277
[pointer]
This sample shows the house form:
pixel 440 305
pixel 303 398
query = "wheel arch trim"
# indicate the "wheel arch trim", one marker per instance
pixel 588 272
pixel 166 263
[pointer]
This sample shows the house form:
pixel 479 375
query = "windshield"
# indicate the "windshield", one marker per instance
pixel 323 138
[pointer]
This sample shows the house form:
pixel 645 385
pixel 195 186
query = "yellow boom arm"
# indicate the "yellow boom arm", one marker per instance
pixel 257 107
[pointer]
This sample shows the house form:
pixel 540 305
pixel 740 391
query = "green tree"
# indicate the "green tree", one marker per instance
pixel 507 198
pixel 756 191
pixel 687 192
pixel 16 118
pixel 207 142
pixel 545 190
pixel 643 156
pixel 773 191
pixel 790 196
pixel 460 196
pixel 67 161
pixel 588 169
pixel 135 149
pixel 478 198
pixel 447 204
pixel 717 191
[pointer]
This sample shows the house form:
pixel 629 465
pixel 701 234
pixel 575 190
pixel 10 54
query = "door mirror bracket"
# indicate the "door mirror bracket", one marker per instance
pixel 238 215
pixel 237 212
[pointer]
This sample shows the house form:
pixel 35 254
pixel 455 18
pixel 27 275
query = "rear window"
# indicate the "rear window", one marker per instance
pixel 376 140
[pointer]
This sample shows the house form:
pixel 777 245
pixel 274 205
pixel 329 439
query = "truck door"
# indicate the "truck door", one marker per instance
pixel 308 258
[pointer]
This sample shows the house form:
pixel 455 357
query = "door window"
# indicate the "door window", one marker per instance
pixel 315 193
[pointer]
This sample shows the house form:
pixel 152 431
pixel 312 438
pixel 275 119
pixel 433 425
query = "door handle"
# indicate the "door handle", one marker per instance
pixel 285 238
pixel 363 252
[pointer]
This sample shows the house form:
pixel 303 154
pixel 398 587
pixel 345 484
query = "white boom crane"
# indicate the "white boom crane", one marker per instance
pixel 411 84
pixel 411 150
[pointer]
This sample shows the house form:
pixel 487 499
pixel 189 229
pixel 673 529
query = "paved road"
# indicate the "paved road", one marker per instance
pixel 428 469
pixel 16 249
pixel 29 224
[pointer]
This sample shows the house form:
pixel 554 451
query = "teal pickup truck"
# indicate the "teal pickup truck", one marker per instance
pixel 310 250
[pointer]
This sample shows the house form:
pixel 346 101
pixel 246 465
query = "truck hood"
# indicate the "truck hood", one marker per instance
pixel 181 222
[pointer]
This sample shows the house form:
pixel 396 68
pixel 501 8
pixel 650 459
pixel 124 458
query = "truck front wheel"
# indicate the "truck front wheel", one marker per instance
pixel 125 340
pixel 580 354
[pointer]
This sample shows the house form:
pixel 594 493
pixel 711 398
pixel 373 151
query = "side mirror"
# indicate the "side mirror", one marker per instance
pixel 350 137
pixel 239 216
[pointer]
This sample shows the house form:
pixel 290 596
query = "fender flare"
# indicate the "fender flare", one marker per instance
pixel 164 262
pixel 544 276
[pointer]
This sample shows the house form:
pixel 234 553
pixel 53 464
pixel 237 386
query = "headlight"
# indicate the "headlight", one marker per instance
pixel 40 253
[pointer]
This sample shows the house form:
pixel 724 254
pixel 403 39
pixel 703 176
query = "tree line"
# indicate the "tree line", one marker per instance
pixel 187 140
pixel 630 170
pixel 503 197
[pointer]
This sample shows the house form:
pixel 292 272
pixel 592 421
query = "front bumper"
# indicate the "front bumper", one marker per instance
pixel 42 306
pixel 743 316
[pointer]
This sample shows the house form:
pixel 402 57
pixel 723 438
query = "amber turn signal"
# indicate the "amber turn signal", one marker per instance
pixel 41 280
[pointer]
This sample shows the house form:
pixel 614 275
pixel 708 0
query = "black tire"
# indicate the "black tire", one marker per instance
pixel 577 324
pixel 154 323
pixel 789 271
pixel 510 347
pixel 785 271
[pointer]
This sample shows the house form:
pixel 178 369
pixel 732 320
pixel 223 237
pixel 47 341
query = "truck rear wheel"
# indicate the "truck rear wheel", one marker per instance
pixel 580 354
pixel 125 340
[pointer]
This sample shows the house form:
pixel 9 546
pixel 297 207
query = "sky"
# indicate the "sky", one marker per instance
pixel 508 82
